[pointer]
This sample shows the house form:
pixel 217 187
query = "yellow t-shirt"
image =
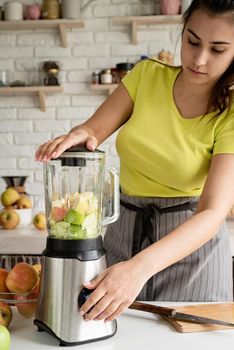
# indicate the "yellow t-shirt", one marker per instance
pixel 163 154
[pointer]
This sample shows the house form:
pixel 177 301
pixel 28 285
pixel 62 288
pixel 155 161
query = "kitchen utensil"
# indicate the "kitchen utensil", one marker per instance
pixel 74 254
pixel 16 181
pixel 171 313
pixel 12 181
pixel 73 8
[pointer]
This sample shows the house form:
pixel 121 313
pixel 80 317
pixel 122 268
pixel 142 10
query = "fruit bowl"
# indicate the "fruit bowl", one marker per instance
pixel 24 302
pixel 25 216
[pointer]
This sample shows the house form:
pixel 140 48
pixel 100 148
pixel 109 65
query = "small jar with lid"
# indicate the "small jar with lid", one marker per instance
pixel 124 68
pixel 50 9
pixel 95 77
pixel 106 76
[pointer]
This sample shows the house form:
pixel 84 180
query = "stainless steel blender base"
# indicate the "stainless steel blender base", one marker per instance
pixel 58 310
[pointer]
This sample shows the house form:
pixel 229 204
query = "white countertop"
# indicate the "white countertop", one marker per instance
pixel 136 331
pixel 29 240
pixel 23 240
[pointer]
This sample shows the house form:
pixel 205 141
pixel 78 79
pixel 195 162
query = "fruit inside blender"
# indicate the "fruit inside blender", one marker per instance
pixel 75 216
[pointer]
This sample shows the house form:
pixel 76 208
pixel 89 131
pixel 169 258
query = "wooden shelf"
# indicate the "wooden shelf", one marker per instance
pixel 40 90
pixel 136 21
pixel 61 24
pixel 106 88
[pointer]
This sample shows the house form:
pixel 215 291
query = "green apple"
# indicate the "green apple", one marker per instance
pixel 77 232
pixel 60 230
pixel 74 217
pixel 5 338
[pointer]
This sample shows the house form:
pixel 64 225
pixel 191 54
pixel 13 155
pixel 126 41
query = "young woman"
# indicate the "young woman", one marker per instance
pixel 176 149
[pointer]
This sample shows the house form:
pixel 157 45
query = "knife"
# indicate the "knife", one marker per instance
pixel 173 314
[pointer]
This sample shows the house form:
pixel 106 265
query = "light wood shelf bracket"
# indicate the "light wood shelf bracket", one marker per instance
pixel 61 24
pixel 136 21
pixel 105 88
pixel 41 91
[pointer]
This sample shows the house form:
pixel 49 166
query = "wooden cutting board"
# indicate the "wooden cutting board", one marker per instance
pixel 218 311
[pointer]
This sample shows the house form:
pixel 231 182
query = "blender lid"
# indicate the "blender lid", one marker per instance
pixel 80 150
pixel 77 156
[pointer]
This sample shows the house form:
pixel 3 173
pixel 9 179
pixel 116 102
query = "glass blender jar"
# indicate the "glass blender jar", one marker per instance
pixel 75 192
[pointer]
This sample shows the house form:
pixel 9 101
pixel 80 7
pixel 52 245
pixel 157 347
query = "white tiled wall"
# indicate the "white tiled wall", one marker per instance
pixel 101 44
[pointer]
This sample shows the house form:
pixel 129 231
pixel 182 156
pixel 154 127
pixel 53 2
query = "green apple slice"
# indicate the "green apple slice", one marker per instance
pixel 74 217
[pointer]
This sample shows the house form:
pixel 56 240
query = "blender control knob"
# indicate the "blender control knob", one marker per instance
pixel 83 296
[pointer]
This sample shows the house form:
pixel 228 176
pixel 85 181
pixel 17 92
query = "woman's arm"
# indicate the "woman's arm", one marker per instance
pixel 118 286
pixel 108 118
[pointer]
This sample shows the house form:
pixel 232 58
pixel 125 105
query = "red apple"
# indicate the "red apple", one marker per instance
pixel 37 268
pixel 3 287
pixel 5 314
pixel 39 221
pixel 59 213
pixel 22 278
pixel 26 308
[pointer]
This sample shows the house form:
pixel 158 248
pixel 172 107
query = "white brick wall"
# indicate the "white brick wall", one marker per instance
pixel 100 44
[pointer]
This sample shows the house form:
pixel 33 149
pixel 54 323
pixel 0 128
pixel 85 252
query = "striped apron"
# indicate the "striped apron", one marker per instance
pixel 205 275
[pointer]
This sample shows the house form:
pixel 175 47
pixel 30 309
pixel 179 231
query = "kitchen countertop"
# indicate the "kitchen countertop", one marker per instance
pixel 29 240
pixel 23 240
pixel 136 331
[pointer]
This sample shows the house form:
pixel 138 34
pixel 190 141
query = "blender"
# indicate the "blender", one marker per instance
pixel 81 196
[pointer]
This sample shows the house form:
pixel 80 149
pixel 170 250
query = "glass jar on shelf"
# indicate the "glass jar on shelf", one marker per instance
pixel 95 77
pixel 50 9
pixel 106 76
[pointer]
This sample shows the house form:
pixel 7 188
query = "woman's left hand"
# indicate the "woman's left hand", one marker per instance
pixel 115 289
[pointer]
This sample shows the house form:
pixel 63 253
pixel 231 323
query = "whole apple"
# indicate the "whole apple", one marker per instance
pixel 9 219
pixel 3 287
pixel 9 197
pixel 22 278
pixel 24 202
pixel 37 268
pixel 39 221
pixel 5 314
pixel 5 338
pixel 29 303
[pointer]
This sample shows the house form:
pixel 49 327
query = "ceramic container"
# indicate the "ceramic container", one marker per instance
pixel 14 11
pixel 170 7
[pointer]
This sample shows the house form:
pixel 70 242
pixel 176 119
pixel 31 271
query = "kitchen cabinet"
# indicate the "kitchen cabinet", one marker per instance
pixel 41 91
pixel 62 25
pixel 136 21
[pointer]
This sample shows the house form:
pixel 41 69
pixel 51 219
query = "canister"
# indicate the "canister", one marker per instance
pixel 124 68
pixel 14 11
pixel 70 9
pixel 106 76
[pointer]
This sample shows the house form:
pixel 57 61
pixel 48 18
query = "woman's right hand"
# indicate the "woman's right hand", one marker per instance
pixel 55 147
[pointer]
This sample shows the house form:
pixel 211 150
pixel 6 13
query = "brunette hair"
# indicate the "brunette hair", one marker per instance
pixel 222 95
